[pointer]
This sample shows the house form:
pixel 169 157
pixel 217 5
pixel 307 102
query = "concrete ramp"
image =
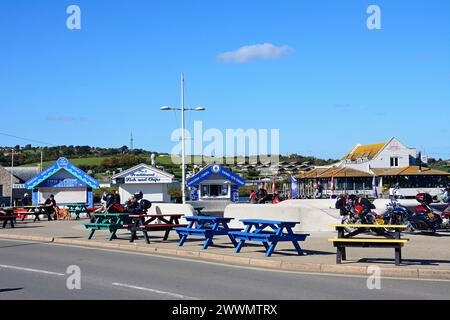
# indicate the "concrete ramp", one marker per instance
pixel 314 215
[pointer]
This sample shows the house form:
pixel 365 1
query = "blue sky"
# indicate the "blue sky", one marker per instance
pixel 336 84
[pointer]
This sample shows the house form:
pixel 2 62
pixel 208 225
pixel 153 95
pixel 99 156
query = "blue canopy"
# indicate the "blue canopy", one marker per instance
pixel 215 169
pixel 62 163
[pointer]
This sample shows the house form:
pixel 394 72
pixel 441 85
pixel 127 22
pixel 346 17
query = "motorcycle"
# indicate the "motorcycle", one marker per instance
pixel 357 216
pixel 446 217
pixel 397 214
pixel 424 218
pixel 139 205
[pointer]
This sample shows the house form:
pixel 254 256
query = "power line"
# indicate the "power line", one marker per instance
pixel 25 139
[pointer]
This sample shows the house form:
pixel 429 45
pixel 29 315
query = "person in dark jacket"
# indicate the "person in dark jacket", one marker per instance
pixel 365 203
pixel 341 204
pixel 261 195
pixel 116 197
pixel 50 207
pixel 25 200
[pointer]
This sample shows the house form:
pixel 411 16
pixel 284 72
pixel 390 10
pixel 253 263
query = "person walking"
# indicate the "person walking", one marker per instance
pixel 252 197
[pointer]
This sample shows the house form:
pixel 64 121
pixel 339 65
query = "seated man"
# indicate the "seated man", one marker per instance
pixel 50 207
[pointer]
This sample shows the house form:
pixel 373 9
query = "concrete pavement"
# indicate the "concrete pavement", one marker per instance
pixel 31 270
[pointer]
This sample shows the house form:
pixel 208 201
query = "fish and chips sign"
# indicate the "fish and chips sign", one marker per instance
pixel 143 175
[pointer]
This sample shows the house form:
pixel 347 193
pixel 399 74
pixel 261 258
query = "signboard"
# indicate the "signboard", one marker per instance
pixel 216 169
pixel 62 183
pixel 144 175
pixel 234 193
pixel 194 194
pixel 18 186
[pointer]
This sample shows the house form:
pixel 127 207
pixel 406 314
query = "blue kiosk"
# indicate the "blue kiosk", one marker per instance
pixel 66 182
pixel 215 182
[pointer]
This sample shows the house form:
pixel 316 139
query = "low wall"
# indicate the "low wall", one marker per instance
pixel 172 208
pixel 314 215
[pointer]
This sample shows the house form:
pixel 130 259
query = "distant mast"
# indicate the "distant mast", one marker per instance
pixel 131 141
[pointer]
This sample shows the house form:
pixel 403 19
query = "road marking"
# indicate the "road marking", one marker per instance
pixel 31 270
pixel 175 295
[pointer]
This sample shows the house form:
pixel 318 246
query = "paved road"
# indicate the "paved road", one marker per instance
pixel 31 270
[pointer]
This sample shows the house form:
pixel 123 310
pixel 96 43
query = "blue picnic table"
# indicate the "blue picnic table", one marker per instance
pixel 207 227
pixel 269 232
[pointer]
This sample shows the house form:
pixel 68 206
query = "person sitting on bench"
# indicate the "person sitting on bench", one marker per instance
pixel 50 207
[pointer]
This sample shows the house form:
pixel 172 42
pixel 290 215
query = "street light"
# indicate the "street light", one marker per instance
pixel 183 153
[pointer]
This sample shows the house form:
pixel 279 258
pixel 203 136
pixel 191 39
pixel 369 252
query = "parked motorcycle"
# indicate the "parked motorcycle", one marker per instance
pixel 398 214
pixel 424 218
pixel 358 216
pixel 446 217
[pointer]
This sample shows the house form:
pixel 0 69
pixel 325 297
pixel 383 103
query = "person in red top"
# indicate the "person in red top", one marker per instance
pixel 253 197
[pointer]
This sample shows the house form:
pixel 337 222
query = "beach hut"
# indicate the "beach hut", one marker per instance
pixel 68 183
pixel 215 182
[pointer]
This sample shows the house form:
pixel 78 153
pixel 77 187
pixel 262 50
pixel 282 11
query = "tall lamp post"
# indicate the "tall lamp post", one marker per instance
pixel 12 177
pixel 183 151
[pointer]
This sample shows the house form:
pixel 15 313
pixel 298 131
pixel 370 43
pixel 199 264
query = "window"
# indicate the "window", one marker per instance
pixel 394 161
pixel 1 190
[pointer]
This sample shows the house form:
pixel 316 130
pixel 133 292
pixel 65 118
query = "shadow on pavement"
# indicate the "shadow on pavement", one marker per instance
pixel 10 289
pixel 408 262
pixel 22 245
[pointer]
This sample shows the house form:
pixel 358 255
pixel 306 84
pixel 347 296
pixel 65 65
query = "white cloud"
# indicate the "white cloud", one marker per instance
pixel 265 51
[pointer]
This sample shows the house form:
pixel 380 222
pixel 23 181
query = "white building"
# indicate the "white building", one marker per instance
pixel 151 181
pixel 373 168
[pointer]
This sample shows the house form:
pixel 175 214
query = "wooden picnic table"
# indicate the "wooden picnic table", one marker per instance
pixel 7 214
pixel 206 227
pixel 145 223
pixel 269 232
pixel 35 211
pixel 388 239
pixel 108 221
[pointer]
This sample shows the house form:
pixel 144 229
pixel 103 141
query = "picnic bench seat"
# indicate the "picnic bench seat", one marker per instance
pixel 389 241
pixel 269 236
